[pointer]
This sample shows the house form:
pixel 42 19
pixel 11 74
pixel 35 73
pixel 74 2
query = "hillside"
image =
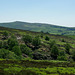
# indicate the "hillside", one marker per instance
pixel 37 44
pixel 38 27
pixel 25 52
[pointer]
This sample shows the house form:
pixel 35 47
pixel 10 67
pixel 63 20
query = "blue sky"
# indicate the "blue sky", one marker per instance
pixel 58 12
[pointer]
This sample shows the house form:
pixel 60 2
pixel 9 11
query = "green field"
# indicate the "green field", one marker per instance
pixel 36 67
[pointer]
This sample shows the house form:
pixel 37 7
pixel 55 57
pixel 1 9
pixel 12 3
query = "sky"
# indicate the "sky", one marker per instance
pixel 57 12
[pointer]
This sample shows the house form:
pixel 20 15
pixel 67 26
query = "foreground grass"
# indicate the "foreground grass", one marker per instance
pixel 36 67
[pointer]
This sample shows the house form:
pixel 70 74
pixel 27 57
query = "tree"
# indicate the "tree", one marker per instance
pixel 63 40
pixel 11 55
pixel 54 52
pixel 16 50
pixel 67 47
pixel 47 38
pixel 27 38
pixel 73 55
pixel 36 41
pixel 1 44
pixel 62 56
pixel 11 43
pixel 41 35
pixel 5 34
pixel 6 54
pixel 13 36
pixel 5 44
pixel 3 53
pixel 26 50
pixel 52 43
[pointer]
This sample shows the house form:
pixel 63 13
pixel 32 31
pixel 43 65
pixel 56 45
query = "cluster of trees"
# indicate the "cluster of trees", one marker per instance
pixel 11 49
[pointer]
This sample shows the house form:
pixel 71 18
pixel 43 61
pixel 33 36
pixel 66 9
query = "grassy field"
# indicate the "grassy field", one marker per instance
pixel 36 67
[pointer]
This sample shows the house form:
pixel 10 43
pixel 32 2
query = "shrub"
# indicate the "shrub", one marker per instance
pixel 16 50
pixel 27 38
pixel 11 55
pixel 13 36
pixel 47 38
pixel 11 43
pixel 26 50
pixel 52 43
pixel 54 52
pixel 3 53
pixel 36 41
pixel 62 53
pixel 5 34
pixel 38 56
pixel 41 35
pixel 1 44
pixel 73 55
pixel 67 48
pixel 63 58
pixel 6 54
pixel 63 40
pixel 5 44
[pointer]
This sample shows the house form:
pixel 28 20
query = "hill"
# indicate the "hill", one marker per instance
pixel 25 52
pixel 38 45
pixel 38 27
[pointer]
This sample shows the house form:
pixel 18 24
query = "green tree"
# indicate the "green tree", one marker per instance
pixel 47 38
pixel 63 40
pixel 41 35
pixel 11 55
pixel 52 43
pixel 73 55
pixel 5 44
pixel 67 48
pixel 3 53
pixel 62 56
pixel 11 43
pixel 5 34
pixel 6 54
pixel 17 50
pixel 27 38
pixel 54 52
pixel 1 44
pixel 26 50
pixel 13 36
pixel 36 41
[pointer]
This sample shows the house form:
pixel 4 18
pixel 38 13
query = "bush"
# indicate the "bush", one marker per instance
pixel 36 41
pixel 1 44
pixel 27 38
pixel 16 50
pixel 5 44
pixel 47 38
pixel 52 43
pixel 41 35
pixel 5 34
pixel 12 55
pixel 63 40
pixel 73 55
pixel 3 53
pixel 13 36
pixel 11 43
pixel 38 56
pixel 54 52
pixel 26 50
pixel 62 53
pixel 6 54
pixel 61 58
pixel 67 47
